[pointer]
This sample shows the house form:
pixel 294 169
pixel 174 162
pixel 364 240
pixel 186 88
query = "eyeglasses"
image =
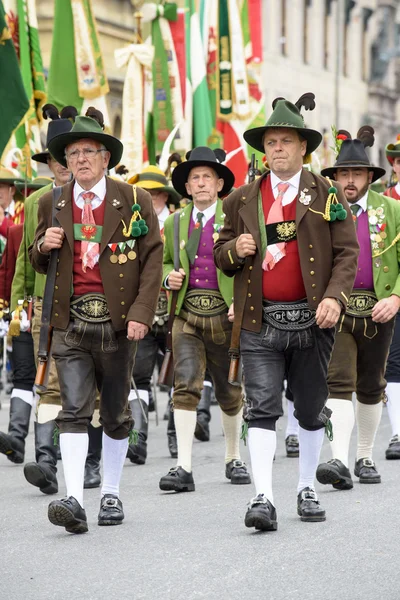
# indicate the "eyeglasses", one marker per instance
pixel 86 152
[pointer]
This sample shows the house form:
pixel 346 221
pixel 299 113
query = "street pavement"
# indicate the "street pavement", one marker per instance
pixel 195 545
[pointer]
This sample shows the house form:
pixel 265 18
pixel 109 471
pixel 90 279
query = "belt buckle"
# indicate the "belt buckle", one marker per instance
pixel 91 308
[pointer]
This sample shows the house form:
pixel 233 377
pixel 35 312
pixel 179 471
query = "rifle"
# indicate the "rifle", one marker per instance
pixel 46 329
pixel 166 376
pixel 235 370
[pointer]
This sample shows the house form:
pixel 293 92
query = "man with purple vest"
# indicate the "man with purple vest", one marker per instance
pixel 202 331
pixel 365 331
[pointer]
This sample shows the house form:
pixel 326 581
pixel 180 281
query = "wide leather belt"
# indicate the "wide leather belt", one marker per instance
pixel 288 316
pixel 361 303
pixel 204 303
pixel 161 316
pixel 90 307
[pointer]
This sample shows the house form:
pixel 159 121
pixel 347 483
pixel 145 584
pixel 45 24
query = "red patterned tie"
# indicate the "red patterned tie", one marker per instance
pixel 89 250
pixel 275 252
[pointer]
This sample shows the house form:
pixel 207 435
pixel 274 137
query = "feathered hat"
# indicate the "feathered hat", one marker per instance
pixel 59 123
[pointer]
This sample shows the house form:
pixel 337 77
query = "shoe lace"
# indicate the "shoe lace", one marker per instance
pixel 260 499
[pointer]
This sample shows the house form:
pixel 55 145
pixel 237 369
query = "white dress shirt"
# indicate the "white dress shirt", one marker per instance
pixel 162 217
pixel 10 210
pixel 291 192
pixel 208 213
pixel 99 191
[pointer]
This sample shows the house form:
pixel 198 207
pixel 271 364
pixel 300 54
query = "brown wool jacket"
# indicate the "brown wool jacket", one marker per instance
pixel 132 288
pixel 328 250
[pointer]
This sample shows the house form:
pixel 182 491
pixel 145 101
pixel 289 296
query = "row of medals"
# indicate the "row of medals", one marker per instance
pixel 122 258
pixel 377 240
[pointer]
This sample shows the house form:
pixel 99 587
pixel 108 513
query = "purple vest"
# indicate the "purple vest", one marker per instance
pixel 203 273
pixel 364 278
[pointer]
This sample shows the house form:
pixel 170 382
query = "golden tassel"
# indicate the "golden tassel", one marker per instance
pixel 15 325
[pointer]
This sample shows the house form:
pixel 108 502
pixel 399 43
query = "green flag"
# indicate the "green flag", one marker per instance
pixel 13 99
pixel 76 68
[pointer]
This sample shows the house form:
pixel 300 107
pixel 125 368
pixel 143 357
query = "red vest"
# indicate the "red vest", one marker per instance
pixel 285 282
pixel 391 193
pixel 89 282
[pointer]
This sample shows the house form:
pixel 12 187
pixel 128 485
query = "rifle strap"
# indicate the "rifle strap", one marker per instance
pixel 50 282
pixel 175 293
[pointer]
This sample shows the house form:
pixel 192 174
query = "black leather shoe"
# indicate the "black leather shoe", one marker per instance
pixel 237 472
pixel 308 507
pixel 261 514
pixel 366 471
pixel 42 477
pixel 335 473
pixel 393 451
pixel 43 472
pixel 292 446
pixel 177 480
pixel 111 511
pixel 68 513
pixel 12 448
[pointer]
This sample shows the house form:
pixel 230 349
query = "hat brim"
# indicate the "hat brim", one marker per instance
pixel 32 186
pixel 11 181
pixel 254 137
pixel 174 197
pixel 58 144
pixel 181 173
pixel 42 157
pixel 378 172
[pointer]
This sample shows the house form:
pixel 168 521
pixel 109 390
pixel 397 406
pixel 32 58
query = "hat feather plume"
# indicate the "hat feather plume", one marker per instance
pixel 220 154
pixel 96 115
pixel 366 135
pixel 307 100
pixel 50 111
pixel 69 112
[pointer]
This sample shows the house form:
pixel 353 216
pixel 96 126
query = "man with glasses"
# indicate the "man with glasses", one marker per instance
pixel 105 296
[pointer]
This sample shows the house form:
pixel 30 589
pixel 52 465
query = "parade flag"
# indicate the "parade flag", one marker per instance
pixel 22 20
pixel 77 75
pixel 13 98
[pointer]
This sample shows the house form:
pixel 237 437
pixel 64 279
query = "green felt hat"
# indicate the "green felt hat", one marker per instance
pixel 285 114
pixel 35 184
pixel 393 150
pixel 86 127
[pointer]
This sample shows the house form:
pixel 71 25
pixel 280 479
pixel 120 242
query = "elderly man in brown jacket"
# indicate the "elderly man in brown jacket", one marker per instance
pixel 290 240
pixel 105 296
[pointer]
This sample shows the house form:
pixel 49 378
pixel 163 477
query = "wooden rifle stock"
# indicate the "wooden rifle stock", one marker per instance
pixel 42 372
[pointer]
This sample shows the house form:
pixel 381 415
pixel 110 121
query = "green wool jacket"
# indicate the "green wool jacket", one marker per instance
pixel 225 284
pixel 26 281
pixel 386 266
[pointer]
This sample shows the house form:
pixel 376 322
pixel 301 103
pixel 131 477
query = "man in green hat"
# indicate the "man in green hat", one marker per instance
pixel 105 296
pixel 289 241
pixel 365 332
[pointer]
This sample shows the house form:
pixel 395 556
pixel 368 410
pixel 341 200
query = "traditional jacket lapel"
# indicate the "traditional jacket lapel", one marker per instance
pixel 64 214
pixel 306 196
pixel 249 212
pixel 113 215
pixel 184 222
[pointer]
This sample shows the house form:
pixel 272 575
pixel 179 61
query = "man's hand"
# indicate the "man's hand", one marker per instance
pixel 231 313
pixel 175 279
pixel 385 309
pixel 53 238
pixel 245 245
pixel 136 331
pixel 328 313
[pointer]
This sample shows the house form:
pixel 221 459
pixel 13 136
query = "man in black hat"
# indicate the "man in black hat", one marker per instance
pixel 365 330
pixel 201 330
pixel 289 240
pixel 106 288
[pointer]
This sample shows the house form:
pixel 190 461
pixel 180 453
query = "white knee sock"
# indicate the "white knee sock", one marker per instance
pixel 25 395
pixel 232 426
pixel 74 449
pixel 292 427
pixel 393 406
pixel 262 447
pixel 114 454
pixel 185 424
pixel 310 444
pixel 368 417
pixel 342 420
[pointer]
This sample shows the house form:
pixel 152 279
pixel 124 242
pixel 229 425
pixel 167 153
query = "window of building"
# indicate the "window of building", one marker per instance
pixel 366 14
pixel 349 5
pixel 306 18
pixel 327 37
pixel 283 40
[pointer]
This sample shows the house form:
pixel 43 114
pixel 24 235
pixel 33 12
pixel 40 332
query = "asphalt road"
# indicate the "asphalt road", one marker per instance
pixel 195 545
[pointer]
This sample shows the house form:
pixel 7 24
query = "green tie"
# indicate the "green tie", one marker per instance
pixel 193 242
pixel 354 209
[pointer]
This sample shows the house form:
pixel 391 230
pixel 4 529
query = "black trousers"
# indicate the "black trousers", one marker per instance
pixel 302 357
pixel 393 364
pixel 146 356
pixel 88 357
pixel 22 360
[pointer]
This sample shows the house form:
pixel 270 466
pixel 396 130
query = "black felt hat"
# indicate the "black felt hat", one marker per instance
pixel 59 123
pixel 352 154
pixel 203 157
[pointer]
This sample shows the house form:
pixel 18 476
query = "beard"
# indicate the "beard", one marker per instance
pixel 360 193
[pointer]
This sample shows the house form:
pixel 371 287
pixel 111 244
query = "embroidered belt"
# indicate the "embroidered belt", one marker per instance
pixel 361 303
pixel 90 307
pixel 285 231
pixel 289 316
pixel 204 303
pixel 161 316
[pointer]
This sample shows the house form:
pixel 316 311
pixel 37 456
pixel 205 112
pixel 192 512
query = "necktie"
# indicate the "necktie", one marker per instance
pixel 275 252
pixel 193 241
pixel 354 209
pixel 89 250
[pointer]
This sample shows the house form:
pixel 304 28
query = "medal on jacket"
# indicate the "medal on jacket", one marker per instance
pixel 122 258
pixel 113 257
pixel 131 254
